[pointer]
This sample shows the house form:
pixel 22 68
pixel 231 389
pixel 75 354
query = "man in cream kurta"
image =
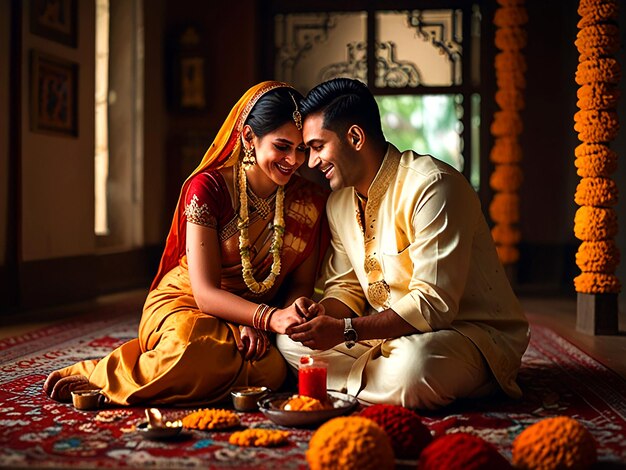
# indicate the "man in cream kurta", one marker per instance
pixel 412 262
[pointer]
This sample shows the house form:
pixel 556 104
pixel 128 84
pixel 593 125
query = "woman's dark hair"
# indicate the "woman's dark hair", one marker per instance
pixel 273 109
pixel 345 102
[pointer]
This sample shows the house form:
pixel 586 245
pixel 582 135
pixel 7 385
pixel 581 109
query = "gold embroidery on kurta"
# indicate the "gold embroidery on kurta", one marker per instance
pixel 200 214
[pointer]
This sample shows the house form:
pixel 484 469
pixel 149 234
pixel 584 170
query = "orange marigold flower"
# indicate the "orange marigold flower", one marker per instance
pixel 211 418
pixel 600 12
pixel 506 149
pixel 552 443
pixel 599 257
pixel 506 123
pixel 508 254
pixel 595 223
pixel 594 150
pixel 601 69
pixel 511 39
pixel 510 61
pixel 595 160
pixel 510 16
pixel 506 234
pixel 597 95
pixel 351 443
pixel 597 41
pixel 599 192
pixel 510 79
pixel 510 99
pixel 258 438
pixel 597 283
pixel 596 125
pixel 504 208
pixel 506 178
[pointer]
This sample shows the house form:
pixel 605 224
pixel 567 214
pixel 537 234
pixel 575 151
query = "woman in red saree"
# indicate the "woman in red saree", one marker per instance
pixel 240 257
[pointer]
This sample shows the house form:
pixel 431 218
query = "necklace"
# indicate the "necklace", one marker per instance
pixel 263 206
pixel 244 241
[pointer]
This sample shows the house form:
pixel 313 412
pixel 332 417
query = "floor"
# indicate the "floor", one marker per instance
pixel 558 314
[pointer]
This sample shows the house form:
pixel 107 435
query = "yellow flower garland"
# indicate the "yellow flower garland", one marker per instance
pixel 244 241
pixel 598 75
pixel 506 153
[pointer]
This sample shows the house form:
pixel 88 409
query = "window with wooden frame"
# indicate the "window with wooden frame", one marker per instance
pixel 420 59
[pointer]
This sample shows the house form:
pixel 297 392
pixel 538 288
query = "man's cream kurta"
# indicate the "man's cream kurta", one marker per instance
pixel 436 254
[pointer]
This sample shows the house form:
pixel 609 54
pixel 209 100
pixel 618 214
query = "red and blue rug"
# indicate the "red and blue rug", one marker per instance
pixel 35 432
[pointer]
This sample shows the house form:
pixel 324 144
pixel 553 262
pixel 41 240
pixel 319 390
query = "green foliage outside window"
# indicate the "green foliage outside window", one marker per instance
pixel 427 124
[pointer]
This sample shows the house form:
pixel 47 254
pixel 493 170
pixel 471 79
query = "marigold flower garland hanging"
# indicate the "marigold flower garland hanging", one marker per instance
pixel 506 127
pixel 598 75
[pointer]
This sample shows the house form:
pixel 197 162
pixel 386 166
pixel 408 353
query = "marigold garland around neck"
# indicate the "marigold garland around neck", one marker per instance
pixel 244 240
pixel 598 75
pixel 510 65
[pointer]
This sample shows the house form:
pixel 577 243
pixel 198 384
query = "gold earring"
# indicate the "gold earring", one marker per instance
pixel 249 158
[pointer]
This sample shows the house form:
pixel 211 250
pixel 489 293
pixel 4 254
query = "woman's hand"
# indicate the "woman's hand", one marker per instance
pixel 321 332
pixel 253 344
pixel 300 311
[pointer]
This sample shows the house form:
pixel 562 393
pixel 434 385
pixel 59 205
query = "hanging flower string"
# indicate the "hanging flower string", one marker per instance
pixel 244 240
pixel 506 127
pixel 596 123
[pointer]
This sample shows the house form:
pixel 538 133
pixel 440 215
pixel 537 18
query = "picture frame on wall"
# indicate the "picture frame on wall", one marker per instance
pixel 53 96
pixel 55 20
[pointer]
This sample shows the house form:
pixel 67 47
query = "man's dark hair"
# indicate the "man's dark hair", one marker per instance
pixel 344 102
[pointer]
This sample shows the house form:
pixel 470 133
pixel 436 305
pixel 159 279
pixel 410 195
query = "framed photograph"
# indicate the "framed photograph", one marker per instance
pixel 55 20
pixel 53 97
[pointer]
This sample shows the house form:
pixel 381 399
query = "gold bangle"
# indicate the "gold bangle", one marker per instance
pixel 268 317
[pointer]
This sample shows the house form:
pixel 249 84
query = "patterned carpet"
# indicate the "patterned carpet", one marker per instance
pixel 35 432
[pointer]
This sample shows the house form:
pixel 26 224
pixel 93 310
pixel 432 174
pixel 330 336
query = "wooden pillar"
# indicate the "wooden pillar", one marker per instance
pixel 597 314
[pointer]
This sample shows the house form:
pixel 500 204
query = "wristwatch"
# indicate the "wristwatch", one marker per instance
pixel 349 333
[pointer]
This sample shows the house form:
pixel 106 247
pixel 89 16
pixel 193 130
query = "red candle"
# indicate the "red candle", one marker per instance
pixel 312 378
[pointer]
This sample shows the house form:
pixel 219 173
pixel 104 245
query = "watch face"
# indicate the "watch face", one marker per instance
pixel 349 335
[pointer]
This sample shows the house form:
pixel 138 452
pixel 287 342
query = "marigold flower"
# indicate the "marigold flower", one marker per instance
pixel 599 192
pixel 600 12
pixel 506 234
pixel 552 443
pixel 511 39
pixel 595 223
pixel 258 438
pixel 597 283
pixel 600 69
pixel 506 123
pixel 506 178
pixel 506 149
pixel 510 16
pixel 510 79
pixel 596 125
pixel 404 428
pixel 462 450
pixel 510 99
pixel 508 60
pixel 211 418
pixel 504 208
pixel 508 254
pixel 597 95
pixel 597 41
pixel 600 257
pixel 594 151
pixel 595 160
pixel 351 443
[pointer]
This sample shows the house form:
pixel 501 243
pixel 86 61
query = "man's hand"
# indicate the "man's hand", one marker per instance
pixel 301 310
pixel 321 332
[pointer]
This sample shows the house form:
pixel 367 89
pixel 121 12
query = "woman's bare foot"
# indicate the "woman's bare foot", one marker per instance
pixel 60 388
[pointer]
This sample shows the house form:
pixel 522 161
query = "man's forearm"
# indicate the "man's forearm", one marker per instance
pixel 383 325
